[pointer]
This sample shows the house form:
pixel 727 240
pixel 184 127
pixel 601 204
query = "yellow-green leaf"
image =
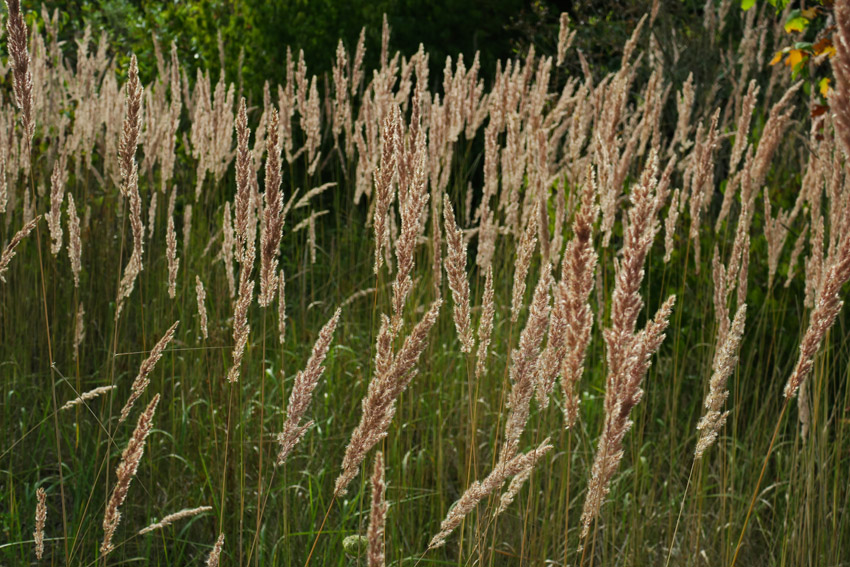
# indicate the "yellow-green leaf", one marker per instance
pixel 798 24
pixel 824 86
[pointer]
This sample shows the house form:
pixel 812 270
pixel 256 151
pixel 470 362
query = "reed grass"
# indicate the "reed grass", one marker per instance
pixel 541 193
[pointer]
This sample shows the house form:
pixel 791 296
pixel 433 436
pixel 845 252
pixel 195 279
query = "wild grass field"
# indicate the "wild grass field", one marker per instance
pixel 381 317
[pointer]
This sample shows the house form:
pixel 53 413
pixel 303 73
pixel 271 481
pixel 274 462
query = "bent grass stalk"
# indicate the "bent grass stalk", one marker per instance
pixel 758 483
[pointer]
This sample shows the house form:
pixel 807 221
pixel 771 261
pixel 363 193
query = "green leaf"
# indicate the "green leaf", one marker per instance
pixel 747 4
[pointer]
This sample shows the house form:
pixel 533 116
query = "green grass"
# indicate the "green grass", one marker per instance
pixel 191 460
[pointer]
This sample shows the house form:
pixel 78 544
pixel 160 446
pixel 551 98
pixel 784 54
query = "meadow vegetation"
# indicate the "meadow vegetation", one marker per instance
pixel 382 317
